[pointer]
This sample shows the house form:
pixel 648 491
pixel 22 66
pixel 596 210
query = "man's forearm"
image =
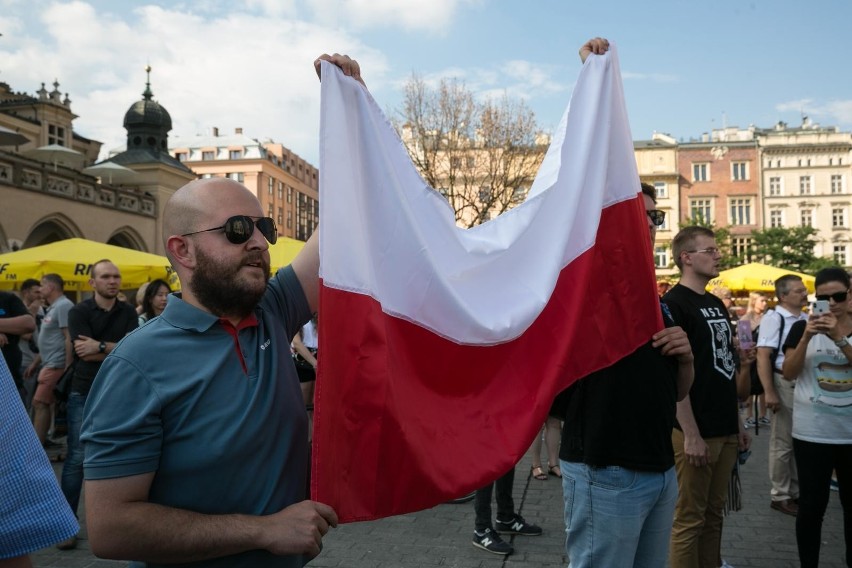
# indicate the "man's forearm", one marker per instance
pixel 686 418
pixel 744 382
pixel 148 532
pixel 17 325
pixel 685 376
pixel 764 369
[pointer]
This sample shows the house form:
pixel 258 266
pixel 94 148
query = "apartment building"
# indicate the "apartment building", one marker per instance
pixel 656 160
pixel 806 173
pixel 719 179
pixel 286 185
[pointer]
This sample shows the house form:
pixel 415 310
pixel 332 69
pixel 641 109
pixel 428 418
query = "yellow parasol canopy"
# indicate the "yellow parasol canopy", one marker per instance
pixel 283 252
pixel 755 277
pixel 72 259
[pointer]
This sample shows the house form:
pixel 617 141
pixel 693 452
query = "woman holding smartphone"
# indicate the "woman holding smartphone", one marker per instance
pixel 818 356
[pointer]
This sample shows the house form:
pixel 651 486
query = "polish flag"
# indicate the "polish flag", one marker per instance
pixel 442 348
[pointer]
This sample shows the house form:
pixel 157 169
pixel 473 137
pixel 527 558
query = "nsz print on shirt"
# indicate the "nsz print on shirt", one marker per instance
pixel 720 332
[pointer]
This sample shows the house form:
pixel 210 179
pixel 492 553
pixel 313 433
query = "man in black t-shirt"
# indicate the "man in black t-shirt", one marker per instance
pixel 708 429
pixel 95 326
pixel 15 321
pixel 616 455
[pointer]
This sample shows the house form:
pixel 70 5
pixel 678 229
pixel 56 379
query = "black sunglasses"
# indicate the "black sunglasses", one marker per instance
pixel 239 228
pixel 837 297
pixel 657 217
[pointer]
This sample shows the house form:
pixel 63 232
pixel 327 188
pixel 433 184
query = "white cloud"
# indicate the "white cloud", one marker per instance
pixel 429 15
pixel 841 110
pixel 833 113
pixel 793 106
pixel 516 78
pixel 275 8
pixel 242 69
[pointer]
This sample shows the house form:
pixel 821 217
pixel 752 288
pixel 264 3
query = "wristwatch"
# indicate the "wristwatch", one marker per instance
pixel 843 342
pixel 102 347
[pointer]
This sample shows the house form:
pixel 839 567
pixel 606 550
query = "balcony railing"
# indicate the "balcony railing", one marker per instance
pixel 31 175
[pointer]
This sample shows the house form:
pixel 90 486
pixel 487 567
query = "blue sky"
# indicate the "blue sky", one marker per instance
pixel 688 66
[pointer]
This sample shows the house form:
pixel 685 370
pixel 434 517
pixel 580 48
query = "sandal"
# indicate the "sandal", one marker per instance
pixel 538 473
pixel 554 470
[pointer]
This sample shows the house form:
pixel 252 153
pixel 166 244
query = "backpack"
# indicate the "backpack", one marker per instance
pixel 756 385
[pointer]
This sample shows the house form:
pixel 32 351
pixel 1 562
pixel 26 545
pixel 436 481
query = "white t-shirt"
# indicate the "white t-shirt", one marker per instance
pixel 767 335
pixel 822 408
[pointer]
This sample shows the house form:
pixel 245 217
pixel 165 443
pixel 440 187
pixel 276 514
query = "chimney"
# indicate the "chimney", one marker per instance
pixel 215 131
pixel 238 130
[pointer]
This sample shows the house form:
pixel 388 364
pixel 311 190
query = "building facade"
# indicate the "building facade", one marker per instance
pixel 656 160
pixel 286 185
pixel 806 174
pixel 719 178
pixel 47 196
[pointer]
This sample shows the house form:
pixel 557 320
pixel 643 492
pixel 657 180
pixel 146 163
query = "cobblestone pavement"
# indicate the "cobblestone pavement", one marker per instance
pixel 756 536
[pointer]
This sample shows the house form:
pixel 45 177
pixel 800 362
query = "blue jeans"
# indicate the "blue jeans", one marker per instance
pixel 616 516
pixel 72 471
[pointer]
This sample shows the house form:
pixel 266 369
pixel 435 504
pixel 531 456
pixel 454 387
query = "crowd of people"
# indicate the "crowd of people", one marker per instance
pixel 175 403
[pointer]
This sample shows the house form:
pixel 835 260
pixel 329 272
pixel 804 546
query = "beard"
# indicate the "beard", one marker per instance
pixel 221 288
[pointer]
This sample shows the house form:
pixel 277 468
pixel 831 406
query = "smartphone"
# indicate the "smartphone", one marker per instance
pixel 820 307
pixel 744 334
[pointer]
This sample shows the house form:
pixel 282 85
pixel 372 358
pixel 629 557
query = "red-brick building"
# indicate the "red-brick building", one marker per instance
pixel 719 180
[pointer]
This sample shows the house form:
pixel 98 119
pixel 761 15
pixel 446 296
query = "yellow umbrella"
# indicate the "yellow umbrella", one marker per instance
pixel 72 259
pixel 755 277
pixel 283 252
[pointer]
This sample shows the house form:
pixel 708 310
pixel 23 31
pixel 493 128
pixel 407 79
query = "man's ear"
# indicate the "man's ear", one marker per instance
pixel 181 251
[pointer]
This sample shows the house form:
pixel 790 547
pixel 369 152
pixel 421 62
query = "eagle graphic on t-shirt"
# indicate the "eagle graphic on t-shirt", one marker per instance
pixel 723 357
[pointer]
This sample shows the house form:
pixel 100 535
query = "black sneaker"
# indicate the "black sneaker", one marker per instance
pixel 491 542
pixel 517 526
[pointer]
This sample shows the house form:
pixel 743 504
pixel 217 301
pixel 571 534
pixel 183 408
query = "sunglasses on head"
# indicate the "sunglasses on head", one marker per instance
pixel 239 229
pixel 657 217
pixel 837 296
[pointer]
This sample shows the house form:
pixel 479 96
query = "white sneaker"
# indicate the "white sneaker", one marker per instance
pixel 725 564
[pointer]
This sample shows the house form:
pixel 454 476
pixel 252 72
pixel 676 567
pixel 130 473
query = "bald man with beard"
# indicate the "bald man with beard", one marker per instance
pixel 195 431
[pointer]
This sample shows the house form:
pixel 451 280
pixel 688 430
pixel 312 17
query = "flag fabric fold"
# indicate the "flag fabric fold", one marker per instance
pixel 443 348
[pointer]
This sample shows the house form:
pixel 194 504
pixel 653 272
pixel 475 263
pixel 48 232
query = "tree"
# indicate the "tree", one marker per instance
pixel 787 247
pixel 482 156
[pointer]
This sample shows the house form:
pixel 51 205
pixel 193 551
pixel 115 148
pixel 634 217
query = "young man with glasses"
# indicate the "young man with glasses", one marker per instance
pixel 774 328
pixel 708 431
pixel 617 461
pixel 195 431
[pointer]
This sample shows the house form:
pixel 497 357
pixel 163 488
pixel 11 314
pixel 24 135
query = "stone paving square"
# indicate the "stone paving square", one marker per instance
pixel 756 536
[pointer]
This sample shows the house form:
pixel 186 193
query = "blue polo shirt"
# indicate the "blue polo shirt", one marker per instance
pixel 215 411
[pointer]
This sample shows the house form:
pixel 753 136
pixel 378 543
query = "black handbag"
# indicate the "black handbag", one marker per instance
pixel 63 386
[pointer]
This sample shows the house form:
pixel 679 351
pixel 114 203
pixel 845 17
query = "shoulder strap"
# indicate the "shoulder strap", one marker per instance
pixel 780 331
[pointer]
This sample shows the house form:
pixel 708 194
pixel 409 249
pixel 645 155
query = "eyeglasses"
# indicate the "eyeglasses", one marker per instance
pixel 709 250
pixel 239 229
pixel 657 217
pixel 837 296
